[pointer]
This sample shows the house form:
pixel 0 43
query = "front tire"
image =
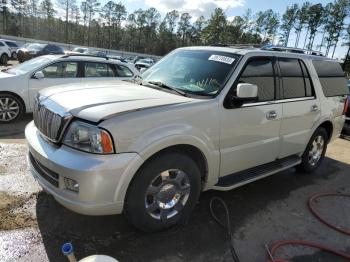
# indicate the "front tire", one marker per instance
pixel 164 192
pixel 4 59
pixel 314 152
pixel 11 108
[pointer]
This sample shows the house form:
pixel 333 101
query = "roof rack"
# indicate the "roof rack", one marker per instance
pixel 292 50
pixel 88 55
pixel 237 46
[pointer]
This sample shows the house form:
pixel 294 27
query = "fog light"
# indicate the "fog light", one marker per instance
pixel 71 184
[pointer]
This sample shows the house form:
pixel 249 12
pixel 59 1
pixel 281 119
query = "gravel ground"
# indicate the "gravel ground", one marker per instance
pixel 33 225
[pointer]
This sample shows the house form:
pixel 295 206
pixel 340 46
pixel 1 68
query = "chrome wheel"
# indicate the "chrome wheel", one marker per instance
pixel 167 194
pixel 9 109
pixel 316 150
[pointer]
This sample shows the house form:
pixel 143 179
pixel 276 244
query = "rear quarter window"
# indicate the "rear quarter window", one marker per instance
pixel 332 78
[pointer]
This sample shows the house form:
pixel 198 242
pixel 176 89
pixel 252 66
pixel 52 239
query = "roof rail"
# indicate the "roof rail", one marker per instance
pixel 237 46
pixel 292 50
pixel 88 55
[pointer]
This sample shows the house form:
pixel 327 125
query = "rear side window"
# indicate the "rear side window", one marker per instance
pixel 332 78
pixel 260 72
pixel 123 71
pixel 93 69
pixel 295 78
pixel 1 44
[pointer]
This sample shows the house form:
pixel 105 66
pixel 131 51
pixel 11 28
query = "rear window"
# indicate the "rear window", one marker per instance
pixel 332 78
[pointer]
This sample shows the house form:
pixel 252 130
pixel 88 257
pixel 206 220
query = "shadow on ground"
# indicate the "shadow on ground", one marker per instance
pixel 15 130
pixel 199 240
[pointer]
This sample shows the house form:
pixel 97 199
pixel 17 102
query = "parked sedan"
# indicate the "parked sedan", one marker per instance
pixel 20 84
pixel 35 50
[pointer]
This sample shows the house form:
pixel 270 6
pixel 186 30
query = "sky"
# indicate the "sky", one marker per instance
pixel 231 7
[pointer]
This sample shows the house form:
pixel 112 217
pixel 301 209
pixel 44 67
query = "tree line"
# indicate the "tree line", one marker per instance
pixel 111 26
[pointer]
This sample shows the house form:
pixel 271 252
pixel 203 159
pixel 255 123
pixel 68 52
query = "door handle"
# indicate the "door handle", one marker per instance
pixel 314 108
pixel 271 115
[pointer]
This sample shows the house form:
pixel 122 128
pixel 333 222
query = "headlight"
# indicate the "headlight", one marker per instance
pixel 88 138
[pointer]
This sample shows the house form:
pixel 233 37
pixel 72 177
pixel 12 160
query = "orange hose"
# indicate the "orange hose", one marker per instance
pixel 311 201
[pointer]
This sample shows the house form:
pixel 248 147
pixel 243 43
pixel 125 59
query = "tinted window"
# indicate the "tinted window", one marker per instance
pixel 307 80
pixel 123 71
pixel 61 70
pixel 292 78
pixel 332 78
pixel 11 44
pixel 1 44
pixel 53 48
pixel 98 70
pixel 260 72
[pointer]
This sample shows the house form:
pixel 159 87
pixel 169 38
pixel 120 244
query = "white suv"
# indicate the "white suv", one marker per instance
pixel 20 84
pixel 201 118
pixel 5 53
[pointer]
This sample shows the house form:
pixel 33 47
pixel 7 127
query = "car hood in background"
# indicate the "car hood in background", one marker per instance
pixel 96 101
pixel 4 75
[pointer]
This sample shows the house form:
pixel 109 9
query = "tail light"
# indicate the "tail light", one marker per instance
pixel 346 106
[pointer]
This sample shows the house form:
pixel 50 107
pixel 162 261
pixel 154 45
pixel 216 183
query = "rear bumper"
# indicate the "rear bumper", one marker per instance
pixel 103 179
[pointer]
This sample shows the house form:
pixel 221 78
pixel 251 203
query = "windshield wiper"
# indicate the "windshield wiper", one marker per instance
pixel 163 85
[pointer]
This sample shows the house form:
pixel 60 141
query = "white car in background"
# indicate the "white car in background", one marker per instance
pixel 5 52
pixel 20 84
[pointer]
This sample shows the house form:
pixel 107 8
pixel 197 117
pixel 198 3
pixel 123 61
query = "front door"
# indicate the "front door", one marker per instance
pixel 250 132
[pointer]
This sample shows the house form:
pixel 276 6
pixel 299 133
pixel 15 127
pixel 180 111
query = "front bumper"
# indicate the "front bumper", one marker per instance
pixel 103 179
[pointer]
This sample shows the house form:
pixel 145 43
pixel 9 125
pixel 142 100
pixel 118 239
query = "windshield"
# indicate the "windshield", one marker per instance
pixel 29 65
pixel 200 72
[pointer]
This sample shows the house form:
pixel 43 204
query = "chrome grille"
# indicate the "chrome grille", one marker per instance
pixel 48 122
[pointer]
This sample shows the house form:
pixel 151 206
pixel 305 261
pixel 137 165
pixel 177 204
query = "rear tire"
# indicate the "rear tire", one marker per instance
pixel 11 108
pixel 4 59
pixel 314 152
pixel 164 192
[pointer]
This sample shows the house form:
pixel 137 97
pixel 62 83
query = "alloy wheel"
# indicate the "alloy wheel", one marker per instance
pixel 9 109
pixel 316 150
pixel 167 194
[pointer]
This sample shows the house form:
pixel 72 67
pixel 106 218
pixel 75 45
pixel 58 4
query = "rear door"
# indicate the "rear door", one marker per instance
pixel 250 132
pixel 54 74
pixel 301 107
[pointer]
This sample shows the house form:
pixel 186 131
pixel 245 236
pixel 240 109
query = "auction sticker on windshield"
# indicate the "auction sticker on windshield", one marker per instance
pixel 222 59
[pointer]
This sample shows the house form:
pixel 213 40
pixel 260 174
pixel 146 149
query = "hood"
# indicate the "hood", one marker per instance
pixel 6 75
pixel 95 101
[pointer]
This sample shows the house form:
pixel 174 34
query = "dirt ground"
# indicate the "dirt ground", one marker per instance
pixel 33 225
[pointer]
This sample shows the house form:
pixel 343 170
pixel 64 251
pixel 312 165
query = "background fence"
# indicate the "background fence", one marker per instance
pixel 22 40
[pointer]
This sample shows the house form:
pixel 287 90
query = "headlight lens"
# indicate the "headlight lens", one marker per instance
pixel 88 138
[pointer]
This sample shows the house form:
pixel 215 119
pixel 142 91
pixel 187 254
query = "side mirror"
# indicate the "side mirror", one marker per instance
pixel 143 69
pixel 246 91
pixel 39 75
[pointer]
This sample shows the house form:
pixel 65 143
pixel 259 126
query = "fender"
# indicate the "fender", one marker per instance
pixel 212 157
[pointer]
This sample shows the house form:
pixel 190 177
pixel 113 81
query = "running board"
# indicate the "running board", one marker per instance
pixel 244 177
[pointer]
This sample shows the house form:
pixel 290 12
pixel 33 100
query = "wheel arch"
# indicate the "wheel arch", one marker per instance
pixel 193 150
pixel 328 126
pixel 18 97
